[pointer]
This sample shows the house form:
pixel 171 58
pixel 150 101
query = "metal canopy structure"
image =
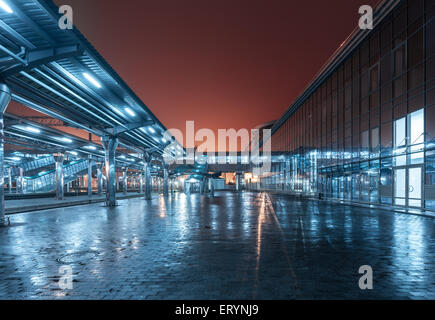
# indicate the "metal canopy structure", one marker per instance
pixel 59 73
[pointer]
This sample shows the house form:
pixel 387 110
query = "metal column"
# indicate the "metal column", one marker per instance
pixel 202 186
pixel 124 180
pixel 165 179
pixel 211 186
pixel 110 143
pixel 90 163
pixel 147 174
pixel 238 181
pixel 5 98
pixel 10 180
pixel 20 181
pixel 141 182
pixel 100 178
pixel 59 176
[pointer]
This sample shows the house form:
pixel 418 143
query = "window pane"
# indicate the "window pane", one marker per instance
pixel 399 132
pixel 415 49
pixel 399 60
pixel 416 127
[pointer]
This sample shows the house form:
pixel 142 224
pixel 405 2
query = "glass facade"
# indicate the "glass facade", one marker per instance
pixel 367 132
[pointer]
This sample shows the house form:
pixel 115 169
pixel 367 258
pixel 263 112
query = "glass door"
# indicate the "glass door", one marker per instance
pixel 400 187
pixel 415 180
pixel 408 186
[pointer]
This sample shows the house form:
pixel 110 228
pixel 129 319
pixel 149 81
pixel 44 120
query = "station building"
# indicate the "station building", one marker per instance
pixel 363 131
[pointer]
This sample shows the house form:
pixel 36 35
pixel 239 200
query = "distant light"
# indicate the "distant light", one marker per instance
pixel 5 7
pixel 90 147
pixel 73 152
pixel 122 157
pixel 91 80
pixel 130 112
pixel 32 129
pixel 152 130
pixel 15 158
pixel 164 140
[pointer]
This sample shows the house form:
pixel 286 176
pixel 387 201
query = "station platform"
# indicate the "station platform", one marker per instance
pixel 35 204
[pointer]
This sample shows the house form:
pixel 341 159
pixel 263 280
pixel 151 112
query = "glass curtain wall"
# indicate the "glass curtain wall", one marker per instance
pixel 367 133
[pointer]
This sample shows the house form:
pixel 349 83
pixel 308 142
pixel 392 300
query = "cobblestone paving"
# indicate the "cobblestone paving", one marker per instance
pixel 233 246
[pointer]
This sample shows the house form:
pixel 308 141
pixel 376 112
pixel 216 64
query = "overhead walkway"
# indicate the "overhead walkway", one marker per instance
pixel 46 181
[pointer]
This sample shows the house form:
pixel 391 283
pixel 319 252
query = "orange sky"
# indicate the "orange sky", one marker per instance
pixel 222 63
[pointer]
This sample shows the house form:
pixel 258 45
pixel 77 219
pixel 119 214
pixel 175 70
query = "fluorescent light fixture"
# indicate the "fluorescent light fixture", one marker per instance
pixel 64 139
pixel 5 7
pixel 91 79
pixel 117 111
pixel 90 147
pixel 32 129
pixel 15 158
pixel 73 152
pixel 130 112
pixel 151 129
pixel 164 140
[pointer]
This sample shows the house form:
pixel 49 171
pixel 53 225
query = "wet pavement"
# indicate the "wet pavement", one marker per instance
pixel 232 246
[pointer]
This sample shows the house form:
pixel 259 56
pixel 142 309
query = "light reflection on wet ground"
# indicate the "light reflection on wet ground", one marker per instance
pixel 233 246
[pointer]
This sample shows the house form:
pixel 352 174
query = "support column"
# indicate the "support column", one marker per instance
pixel 90 163
pixel 124 180
pixel 165 179
pixel 10 179
pixel 110 143
pixel 100 178
pixel 20 181
pixel 59 176
pixel 211 186
pixel 141 182
pixel 5 98
pixel 238 186
pixel 202 186
pixel 147 175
